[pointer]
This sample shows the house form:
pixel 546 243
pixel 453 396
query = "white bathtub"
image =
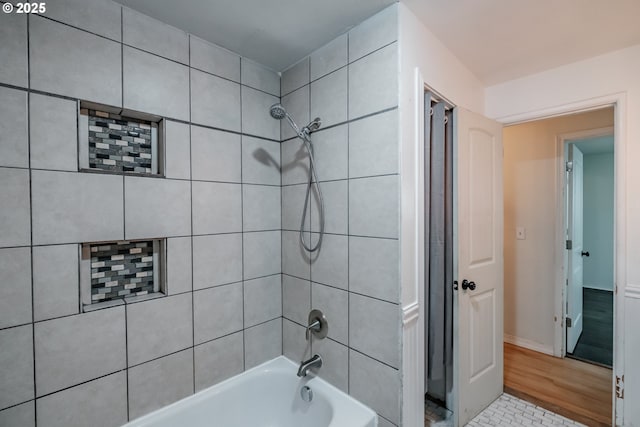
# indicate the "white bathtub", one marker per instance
pixel 265 396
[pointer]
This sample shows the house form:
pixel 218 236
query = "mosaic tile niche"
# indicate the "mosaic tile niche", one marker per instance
pixel 118 144
pixel 120 270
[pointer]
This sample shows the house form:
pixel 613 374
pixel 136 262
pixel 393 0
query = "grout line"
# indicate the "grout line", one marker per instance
pixel 33 326
pixel 348 231
pixel 193 313
pixel 244 346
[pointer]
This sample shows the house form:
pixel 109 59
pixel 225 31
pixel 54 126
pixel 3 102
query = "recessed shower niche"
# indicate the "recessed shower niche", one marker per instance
pixel 112 272
pixel 116 143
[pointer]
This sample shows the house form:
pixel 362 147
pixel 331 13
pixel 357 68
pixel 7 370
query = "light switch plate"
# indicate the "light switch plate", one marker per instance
pixel 521 233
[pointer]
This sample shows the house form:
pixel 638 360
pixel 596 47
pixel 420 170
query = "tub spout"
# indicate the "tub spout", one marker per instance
pixel 314 362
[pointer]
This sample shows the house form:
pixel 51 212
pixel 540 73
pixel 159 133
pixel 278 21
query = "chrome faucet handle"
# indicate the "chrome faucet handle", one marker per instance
pixel 317 325
pixel 314 326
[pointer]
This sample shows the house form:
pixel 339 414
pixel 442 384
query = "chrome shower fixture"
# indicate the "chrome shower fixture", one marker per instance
pixel 278 112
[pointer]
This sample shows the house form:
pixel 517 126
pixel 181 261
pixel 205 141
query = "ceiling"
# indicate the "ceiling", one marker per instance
pixel 497 40
pixel 275 33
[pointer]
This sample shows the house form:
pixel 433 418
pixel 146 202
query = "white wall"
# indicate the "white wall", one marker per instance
pixel 598 221
pixel 531 188
pixel 610 76
pixel 443 72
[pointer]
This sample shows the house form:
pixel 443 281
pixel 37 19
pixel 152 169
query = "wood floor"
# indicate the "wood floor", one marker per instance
pixel 574 389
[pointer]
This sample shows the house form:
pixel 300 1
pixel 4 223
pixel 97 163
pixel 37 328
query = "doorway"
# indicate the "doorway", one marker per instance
pixel 595 341
pixel 544 272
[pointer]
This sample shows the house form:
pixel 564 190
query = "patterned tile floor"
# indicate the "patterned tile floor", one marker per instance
pixel 506 411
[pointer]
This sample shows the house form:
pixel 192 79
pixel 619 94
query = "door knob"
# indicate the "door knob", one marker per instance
pixel 468 285
pixel 584 253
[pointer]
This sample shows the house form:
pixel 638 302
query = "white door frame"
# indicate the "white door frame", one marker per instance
pixel 560 304
pixel 619 102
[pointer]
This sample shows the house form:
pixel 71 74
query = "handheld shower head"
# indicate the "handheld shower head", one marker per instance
pixel 278 112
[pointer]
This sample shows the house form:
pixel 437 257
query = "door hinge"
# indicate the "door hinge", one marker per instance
pixel 569 166
pixel 620 387
pixel 568 321
pixel 569 244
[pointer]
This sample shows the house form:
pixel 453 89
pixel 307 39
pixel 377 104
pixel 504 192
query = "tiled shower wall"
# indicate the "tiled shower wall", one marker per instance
pixel 352 85
pixel 218 206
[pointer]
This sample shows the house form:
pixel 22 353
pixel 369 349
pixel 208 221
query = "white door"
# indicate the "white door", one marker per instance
pixel 575 229
pixel 479 351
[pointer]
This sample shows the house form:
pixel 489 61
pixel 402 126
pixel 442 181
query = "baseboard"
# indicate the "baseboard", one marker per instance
pixel 531 345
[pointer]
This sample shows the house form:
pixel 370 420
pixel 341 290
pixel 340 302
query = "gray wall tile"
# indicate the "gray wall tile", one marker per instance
pixel 262 342
pixel 54 135
pixel 260 161
pixel 179 268
pixel 335 362
pixel 144 73
pixel 177 152
pixel 214 59
pixel 216 260
pixel 13 50
pixel 384 345
pixel 149 34
pixel 297 105
pixel 67 61
pixel 295 161
pixel 19 416
pixel 373 145
pixel 97 347
pixel 296 299
pixel 296 261
pixel 373 206
pixel 215 101
pixel 156 207
pixel 295 77
pixel 56 217
pixel 262 254
pixel 262 300
pixel 218 360
pixel 334 303
pixel 329 58
pixel 14 141
pixel 294 343
pixel 15 286
pixel 160 382
pixel 16 365
pixel 14 207
pixel 217 208
pixel 331 153
pixel 260 77
pixel 330 264
pixel 171 318
pixel 256 119
pixel 383 422
pixel 329 98
pixel 261 207
pixel 215 155
pixel 107 406
pixel 375 384
pixel 102 17
pixel 378 70
pixel 374 33
pixel 217 312
pixel 293 197
pixel 374 267
pixel 336 214
pixel 55 281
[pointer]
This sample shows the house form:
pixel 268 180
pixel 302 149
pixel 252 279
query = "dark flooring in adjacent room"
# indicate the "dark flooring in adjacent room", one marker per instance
pixel 596 342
